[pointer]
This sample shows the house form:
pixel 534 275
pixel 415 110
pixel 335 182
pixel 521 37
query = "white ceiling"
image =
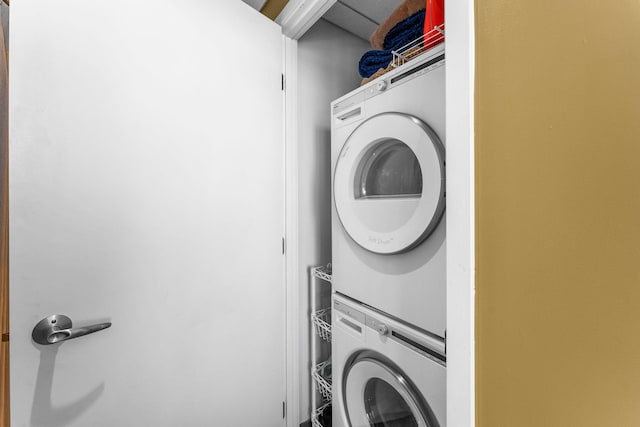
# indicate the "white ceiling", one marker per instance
pixel 359 17
pixel 376 10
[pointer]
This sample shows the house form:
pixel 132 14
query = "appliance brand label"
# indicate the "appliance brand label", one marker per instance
pixel 379 241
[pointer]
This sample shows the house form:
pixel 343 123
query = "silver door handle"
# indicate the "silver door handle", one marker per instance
pixel 58 327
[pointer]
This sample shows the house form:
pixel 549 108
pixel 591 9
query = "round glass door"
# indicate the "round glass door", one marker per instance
pixel 376 393
pixel 385 407
pixel 388 169
pixel 388 183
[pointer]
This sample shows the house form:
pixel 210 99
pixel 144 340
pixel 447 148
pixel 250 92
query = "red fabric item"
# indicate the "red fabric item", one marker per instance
pixel 434 17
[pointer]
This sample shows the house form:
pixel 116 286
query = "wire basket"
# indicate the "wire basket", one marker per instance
pixel 315 418
pixel 418 46
pixel 322 323
pixel 321 374
pixel 323 273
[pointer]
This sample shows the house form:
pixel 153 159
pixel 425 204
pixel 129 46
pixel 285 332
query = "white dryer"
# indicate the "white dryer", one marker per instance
pixel 388 166
pixel 384 373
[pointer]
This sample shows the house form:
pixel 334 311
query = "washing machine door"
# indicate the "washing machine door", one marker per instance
pixel 389 183
pixel 376 393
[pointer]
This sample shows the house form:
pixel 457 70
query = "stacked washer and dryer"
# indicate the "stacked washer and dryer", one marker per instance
pixel 388 244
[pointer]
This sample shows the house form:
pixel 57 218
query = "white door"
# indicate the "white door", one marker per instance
pixel 146 190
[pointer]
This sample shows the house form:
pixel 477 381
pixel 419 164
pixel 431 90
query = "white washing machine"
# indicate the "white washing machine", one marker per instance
pixel 384 373
pixel 388 166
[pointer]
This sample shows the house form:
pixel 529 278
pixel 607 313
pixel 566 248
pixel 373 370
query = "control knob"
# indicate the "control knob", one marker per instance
pixel 382 329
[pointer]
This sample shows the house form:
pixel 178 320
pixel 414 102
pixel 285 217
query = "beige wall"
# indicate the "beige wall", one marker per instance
pixel 272 8
pixel 558 213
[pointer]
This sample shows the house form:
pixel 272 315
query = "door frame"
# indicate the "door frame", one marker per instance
pixel 296 18
pixel 292 292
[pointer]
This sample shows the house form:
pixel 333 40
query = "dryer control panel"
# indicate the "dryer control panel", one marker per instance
pixel 387 327
pixel 429 61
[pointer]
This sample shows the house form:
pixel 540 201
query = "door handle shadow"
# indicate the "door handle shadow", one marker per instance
pixel 43 413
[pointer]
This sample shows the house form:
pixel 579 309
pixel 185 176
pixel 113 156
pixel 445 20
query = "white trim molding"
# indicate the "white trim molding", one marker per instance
pixel 460 53
pixel 300 15
pixel 291 231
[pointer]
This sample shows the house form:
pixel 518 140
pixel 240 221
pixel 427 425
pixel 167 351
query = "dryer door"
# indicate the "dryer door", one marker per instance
pixel 377 393
pixel 389 183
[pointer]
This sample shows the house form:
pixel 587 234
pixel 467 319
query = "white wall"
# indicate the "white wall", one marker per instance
pixel 327 69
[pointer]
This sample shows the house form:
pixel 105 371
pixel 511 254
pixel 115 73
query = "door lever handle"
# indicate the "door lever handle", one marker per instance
pixel 58 327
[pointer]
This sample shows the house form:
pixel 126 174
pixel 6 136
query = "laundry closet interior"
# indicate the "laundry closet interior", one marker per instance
pixel 393 283
pixel 274 238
